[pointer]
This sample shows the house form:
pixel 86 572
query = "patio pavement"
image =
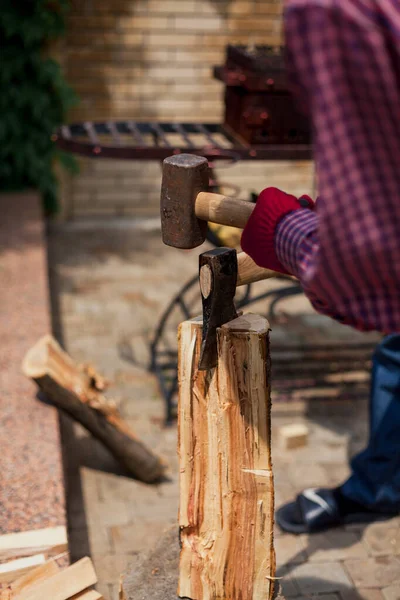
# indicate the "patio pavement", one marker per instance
pixel 110 282
pixel 31 478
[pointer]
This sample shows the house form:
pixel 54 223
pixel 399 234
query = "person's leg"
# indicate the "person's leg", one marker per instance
pixel 375 479
pixel 373 489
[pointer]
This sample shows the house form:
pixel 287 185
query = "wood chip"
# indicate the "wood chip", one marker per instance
pixel 121 594
pixel 293 436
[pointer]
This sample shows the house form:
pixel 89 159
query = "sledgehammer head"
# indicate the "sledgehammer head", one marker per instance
pixel 184 176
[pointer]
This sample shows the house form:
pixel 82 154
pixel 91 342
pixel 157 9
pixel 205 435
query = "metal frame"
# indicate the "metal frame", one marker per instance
pixel 137 140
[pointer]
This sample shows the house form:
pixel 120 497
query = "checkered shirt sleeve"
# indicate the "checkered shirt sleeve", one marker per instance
pixel 344 62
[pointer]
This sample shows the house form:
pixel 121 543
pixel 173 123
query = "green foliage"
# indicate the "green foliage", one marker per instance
pixel 34 95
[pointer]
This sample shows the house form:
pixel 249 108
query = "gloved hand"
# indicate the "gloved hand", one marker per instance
pixel 258 238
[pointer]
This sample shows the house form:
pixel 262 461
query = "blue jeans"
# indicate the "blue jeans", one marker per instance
pixel 375 479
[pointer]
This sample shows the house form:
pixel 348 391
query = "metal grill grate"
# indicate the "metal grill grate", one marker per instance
pixel 137 140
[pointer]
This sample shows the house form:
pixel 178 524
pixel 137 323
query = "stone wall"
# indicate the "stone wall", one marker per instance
pixel 152 60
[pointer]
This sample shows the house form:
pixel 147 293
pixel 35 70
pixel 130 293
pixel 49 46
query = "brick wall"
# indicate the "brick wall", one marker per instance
pixel 153 59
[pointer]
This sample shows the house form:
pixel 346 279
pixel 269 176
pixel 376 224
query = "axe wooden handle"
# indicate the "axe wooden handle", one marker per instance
pixel 223 210
pixel 249 272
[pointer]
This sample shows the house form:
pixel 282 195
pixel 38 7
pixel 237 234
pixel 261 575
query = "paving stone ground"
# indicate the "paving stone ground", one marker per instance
pixel 109 286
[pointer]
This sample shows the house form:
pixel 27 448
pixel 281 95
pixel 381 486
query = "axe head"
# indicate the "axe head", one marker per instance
pixel 218 276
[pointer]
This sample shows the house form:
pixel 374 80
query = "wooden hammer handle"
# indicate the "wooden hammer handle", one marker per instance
pixel 222 210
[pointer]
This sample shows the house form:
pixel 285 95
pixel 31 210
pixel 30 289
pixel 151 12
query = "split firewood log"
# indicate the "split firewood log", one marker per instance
pixel 78 392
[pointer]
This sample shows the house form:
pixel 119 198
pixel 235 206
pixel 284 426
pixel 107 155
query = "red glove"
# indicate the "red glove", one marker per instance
pixel 258 238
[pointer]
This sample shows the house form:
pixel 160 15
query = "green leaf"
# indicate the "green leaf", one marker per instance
pixel 34 98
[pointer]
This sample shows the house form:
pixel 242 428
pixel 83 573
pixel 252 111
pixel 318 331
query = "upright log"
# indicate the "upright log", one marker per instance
pixel 226 482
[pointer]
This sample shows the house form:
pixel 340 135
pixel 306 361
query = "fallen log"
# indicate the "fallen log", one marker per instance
pixel 78 392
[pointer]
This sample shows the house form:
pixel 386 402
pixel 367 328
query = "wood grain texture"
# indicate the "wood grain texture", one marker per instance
pixel 223 210
pixel 249 272
pixel 73 391
pixel 226 482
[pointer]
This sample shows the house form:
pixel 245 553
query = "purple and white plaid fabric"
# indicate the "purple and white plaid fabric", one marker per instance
pixel 344 62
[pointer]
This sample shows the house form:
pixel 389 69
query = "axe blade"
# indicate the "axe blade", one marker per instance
pixel 218 272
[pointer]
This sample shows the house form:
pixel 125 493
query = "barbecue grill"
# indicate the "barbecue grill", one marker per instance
pixel 261 120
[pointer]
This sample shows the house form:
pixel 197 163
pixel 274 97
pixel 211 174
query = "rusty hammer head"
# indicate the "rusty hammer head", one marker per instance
pixel 218 275
pixel 184 177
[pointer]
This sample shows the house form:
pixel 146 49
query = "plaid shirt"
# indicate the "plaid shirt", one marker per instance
pixel 344 62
